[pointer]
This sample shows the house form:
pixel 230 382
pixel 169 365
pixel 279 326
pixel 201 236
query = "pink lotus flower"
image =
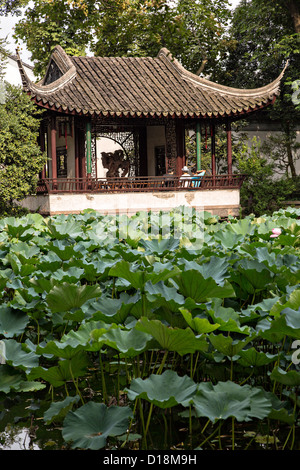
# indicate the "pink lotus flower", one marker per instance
pixel 275 232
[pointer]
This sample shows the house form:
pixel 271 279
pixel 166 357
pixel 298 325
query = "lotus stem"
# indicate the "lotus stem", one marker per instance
pixel 75 383
pixel 292 430
pixel 166 426
pixel 103 379
pixel 190 423
pixel 162 363
pixel 195 366
pixel 130 424
pixel 38 331
pixel 149 419
pixel 211 435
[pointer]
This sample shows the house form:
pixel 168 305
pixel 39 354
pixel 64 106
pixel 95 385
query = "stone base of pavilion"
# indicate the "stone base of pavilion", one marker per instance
pixel 221 202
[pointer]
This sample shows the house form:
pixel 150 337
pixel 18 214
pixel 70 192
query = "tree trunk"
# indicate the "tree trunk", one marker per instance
pixel 291 163
pixel 294 8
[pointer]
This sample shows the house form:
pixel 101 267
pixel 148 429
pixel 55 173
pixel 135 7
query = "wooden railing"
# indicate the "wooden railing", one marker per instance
pixel 139 183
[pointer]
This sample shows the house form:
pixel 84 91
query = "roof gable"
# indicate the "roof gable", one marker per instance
pixel 53 73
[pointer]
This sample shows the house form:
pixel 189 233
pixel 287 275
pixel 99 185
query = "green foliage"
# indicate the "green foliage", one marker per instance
pixel 3 56
pixel 11 6
pixel 194 32
pixel 204 332
pixel 91 425
pixel 47 24
pixel 20 156
pixel 261 192
pixel 264 35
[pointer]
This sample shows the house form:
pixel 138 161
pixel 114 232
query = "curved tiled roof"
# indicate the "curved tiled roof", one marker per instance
pixel 138 86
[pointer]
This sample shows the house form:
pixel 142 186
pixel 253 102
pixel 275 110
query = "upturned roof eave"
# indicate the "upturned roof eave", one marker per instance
pixel 271 88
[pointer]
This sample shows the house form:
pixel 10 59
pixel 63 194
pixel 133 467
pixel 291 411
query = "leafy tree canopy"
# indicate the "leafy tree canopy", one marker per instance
pixel 264 35
pixel 20 156
pixel 195 31
pixel 11 6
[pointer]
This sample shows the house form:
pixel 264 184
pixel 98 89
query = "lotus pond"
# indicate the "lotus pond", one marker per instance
pixel 142 339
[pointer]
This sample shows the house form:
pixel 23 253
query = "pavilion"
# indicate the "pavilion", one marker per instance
pixel 145 105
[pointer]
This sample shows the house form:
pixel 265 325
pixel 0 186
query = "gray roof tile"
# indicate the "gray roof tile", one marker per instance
pixel 128 86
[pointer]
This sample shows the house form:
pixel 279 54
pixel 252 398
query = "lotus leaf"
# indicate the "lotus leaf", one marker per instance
pixel 228 399
pixel 19 356
pixel 67 369
pixel 182 341
pixel 227 345
pixel 12 380
pixel 65 229
pixel 59 349
pixel 91 425
pixel 192 284
pixel 58 410
pixel 84 337
pixel 200 325
pixel 252 357
pixel 165 390
pixel 160 247
pixel 63 250
pixel 290 378
pixel 128 343
pixel 275 330
pixel 65 297
pixel 227 318
pixel 110 309
pixel 13 322
pixel 228 239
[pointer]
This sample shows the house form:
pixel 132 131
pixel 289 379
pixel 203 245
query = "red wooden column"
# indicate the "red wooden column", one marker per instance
pixel 213 151
pixel 229 147
pixel 180 146
pixel 77 147
pixel 88 137
pixel 43 147
pixel 53 150
pixel 80 159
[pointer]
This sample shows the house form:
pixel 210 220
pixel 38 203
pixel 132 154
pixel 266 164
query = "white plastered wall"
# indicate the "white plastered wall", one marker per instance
pixel 221 202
